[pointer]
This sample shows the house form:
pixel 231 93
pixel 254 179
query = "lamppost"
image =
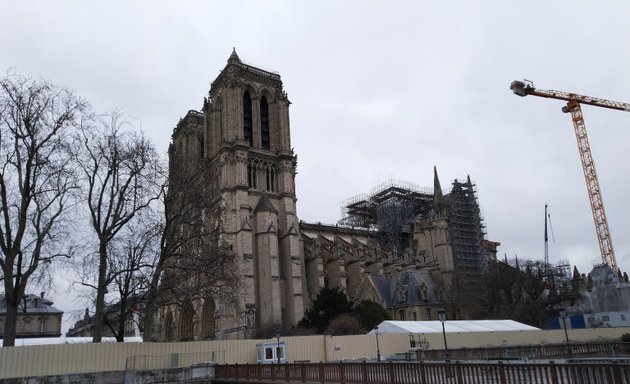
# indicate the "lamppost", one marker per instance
pixel 563 315
pixel 378 350
pixel 442 317
pixel 278 347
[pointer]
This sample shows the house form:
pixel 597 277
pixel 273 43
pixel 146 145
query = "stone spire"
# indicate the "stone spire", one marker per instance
pixel 439 203
pixel 234 59
pixel 437 188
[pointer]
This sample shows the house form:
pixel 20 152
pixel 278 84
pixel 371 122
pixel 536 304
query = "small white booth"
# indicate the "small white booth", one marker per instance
pixel 271 353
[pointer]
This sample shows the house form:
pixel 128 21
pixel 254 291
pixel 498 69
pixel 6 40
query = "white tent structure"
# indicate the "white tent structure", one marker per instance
pixel 68 340
pixel 452 326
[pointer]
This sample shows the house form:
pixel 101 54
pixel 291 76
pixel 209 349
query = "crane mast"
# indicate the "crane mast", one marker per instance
pixel 573 100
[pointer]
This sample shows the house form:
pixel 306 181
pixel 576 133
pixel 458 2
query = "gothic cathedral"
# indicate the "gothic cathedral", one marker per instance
pixel 243 132
pixel 402 246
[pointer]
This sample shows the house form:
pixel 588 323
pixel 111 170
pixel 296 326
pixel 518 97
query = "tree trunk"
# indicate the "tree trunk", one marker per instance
pixel 10 322
pixel 120 323
pixel 149 310
pixel 120 335
pixel 99 314
pixel 13 296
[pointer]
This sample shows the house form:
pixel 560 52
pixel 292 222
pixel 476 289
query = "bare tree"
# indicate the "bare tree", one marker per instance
pixel 131 258
pixel 524 290
pixel 123 175
pixel 131 263
pixel 37 182
pixel 193 262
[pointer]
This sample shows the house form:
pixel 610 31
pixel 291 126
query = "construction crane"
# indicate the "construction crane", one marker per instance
pixel 526 87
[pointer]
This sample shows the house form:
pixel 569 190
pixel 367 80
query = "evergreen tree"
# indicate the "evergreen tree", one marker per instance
pixel 328 304
pixel 370 314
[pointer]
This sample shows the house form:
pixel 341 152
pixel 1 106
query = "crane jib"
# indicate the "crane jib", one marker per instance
pixel 581 99
pixel 525 88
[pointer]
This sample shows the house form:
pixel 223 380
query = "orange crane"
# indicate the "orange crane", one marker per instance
pixel 524 88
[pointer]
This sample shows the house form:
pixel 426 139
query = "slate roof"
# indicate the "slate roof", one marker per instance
pixel 34 304
pixel 411 283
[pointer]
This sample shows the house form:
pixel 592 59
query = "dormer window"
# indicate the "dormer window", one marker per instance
pixel 402 295
pixel 424 292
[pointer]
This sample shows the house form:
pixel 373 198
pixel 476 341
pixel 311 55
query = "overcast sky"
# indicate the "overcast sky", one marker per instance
pixel 380 90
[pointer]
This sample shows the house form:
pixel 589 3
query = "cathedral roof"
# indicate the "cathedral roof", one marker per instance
pixel 410 282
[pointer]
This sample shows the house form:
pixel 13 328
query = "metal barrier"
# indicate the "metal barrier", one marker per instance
pixel 430 373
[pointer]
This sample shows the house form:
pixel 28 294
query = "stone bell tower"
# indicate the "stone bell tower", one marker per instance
pixel 246 138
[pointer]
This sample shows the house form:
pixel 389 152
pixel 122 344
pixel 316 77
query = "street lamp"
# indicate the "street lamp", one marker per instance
pixel 442 317
pixel 563 315
pixel 278 347
pixel 378 350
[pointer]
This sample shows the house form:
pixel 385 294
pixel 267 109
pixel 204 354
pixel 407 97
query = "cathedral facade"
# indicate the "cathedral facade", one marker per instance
pixel 243 134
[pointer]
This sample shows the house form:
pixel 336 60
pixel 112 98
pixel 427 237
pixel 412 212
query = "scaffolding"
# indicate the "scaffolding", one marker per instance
pixel 467 232
pixel 389 209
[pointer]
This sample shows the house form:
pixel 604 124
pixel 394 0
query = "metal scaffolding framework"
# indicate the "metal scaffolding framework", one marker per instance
pixel 466 231
pixel 389 209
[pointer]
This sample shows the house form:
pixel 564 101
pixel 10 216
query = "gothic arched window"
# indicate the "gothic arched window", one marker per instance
pixel 207 319
pixel 270 175
pixel 251 176
pixel 186 326
pixel 264 123
pixel 168 327
pixel 247 118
